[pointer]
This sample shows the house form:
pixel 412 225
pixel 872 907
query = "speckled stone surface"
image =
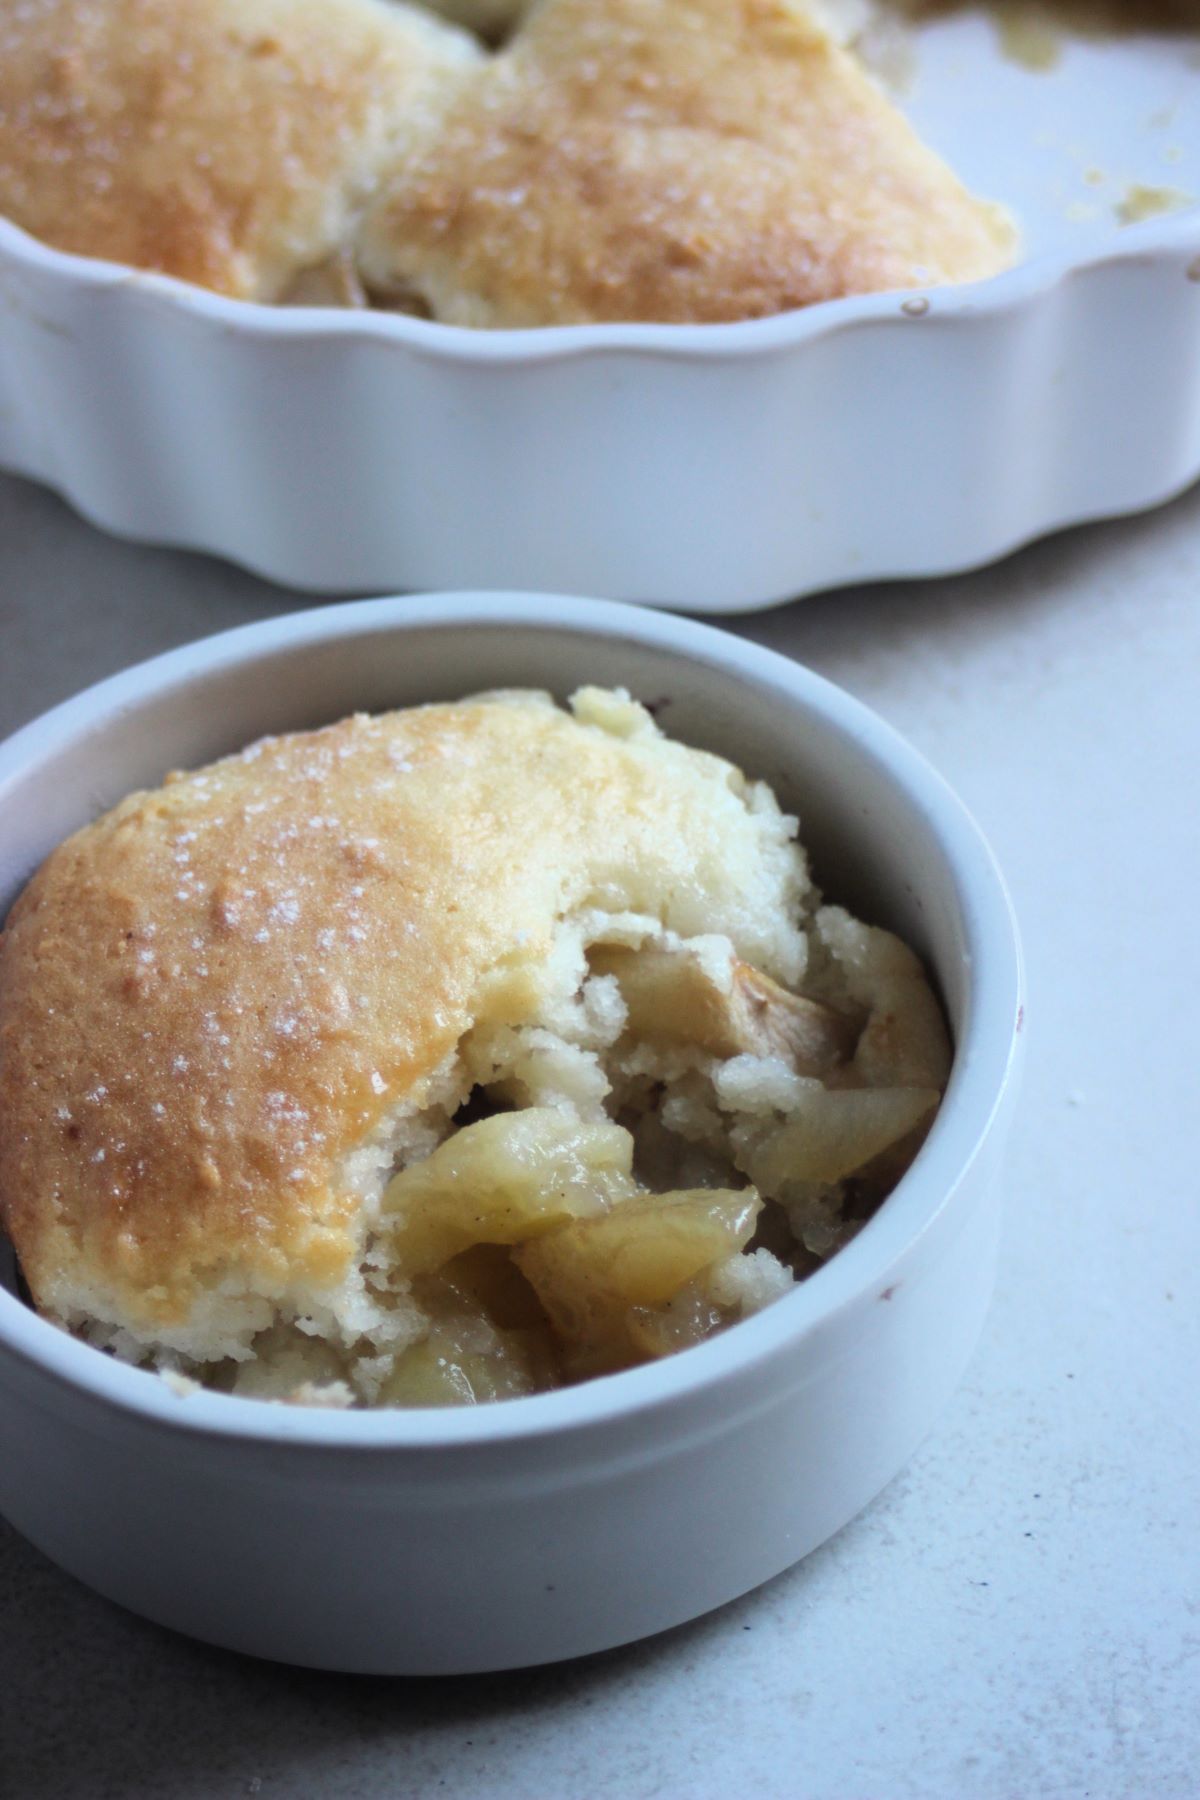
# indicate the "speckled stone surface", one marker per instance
pixel 1019 1614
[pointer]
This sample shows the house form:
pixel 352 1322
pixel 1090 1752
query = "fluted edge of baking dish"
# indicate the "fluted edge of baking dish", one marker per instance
pixel 714 468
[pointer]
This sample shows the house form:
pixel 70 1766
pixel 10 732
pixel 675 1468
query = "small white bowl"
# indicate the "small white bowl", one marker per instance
pixel 450 1541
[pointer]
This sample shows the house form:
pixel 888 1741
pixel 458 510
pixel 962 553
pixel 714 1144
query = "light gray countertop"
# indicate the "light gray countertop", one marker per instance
pixel 1019 1614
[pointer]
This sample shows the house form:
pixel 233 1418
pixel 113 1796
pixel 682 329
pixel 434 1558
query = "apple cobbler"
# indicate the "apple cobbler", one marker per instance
pixel 502 165
pixel 443 1056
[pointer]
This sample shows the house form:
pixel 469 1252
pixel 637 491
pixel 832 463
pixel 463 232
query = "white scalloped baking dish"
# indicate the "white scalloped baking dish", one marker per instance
pixel 716 467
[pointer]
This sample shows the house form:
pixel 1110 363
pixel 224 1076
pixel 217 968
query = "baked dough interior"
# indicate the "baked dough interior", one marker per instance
pixel 445 1056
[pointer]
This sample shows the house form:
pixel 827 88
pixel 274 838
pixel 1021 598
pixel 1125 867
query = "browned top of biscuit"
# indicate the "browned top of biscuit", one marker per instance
pixel 227 142
pixel 620 159
pixel 703 160
pixel 214 993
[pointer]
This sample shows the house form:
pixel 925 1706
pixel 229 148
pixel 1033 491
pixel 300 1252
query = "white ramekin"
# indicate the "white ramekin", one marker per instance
pixel 447 1540
pixel 713 467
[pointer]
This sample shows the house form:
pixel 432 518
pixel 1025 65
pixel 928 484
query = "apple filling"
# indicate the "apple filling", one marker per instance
pixel 665 1140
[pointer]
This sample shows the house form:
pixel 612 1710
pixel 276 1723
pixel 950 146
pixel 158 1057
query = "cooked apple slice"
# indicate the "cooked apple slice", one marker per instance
pixel 728 1010
pixel 502 1180
pixel 441 1371
pixel 686 1319
pixel 486 1282
pixel 590 1274
pixel 832 1133
pixel 771 1021
pixel 904 1042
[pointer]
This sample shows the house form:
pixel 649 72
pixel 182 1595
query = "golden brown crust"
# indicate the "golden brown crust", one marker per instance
pixel 700 161
pixel 210 996
pixel 227 142
pixel 621 159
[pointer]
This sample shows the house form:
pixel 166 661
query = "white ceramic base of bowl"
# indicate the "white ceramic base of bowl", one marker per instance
pixel 338 1564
